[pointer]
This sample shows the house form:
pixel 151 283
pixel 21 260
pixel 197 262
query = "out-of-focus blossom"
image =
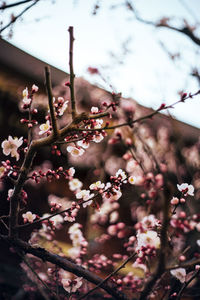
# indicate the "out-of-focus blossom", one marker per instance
pixel 174 201
pixel 97 185
pixel 11 145
pixel 25 95
pixel 148 238
pixel 63 108
pixel 179 273
pixel 121 173
pixel 83 144
pixel 83 194
pixel 94 110
pixel 132 179
pixel 75 184
pixel 71 286
pixel 2 171
pixel 98 138
pixel 71 171
pixel 10 193
pixel 74 151
pixel 35 88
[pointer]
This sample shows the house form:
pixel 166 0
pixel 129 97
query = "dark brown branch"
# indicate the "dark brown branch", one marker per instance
pixel 196 273
pixel 65 264
pixel 51 107
pixel 14 19
pixel 72 76
pixel 15 198
pixel 109 276
pixel 5 6
pixel 185 265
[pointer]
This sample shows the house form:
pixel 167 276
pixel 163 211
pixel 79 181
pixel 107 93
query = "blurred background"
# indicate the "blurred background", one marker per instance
pixel 130 43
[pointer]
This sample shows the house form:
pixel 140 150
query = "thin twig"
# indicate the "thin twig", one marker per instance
pixel 51 106
pixel 14 19
pixel 185 30
pixel 109 276
pixel 161 267
pixel 5 6
pixel 72 76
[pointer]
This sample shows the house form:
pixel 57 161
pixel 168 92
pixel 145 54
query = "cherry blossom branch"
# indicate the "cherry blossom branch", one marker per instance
pixel 65 264
pixel 161 267
pixel 196 273
pixel 109 276
pixel 14 19
pixel 149 116
pixel 63 211
pixel 15 198
pixel 51 107
pixel 72 75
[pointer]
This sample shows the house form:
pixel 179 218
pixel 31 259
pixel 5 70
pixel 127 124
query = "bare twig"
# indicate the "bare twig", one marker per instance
pixel 72 76
pixel 5 6
pixel 51 107
pixel 14 19
pixel 185 30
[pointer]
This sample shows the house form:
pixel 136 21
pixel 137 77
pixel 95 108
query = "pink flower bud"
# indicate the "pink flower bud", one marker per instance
pixel 174 201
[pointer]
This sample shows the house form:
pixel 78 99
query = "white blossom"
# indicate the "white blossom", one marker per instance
pixel 72 286
pixel 148 238
pixel 83 144
pixel 45 127
pixel 94 110
pixel 98 138
pixel 179 273
pixel 186 189
pixel 121 173
pixel 75 184
pixel 28 216
pixel 97 185
pixel 74 151
pixel 11 145
pixel 25 99
pixel 63 108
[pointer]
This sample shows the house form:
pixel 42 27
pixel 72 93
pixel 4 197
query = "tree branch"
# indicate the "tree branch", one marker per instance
pixel 65 264
pixel 51 107
pixel 185 30
pixel 186 284
pixel 14 19
pixel 5 6
pixel 72 76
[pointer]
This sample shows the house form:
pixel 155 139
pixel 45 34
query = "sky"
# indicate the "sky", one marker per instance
pixel 144 73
